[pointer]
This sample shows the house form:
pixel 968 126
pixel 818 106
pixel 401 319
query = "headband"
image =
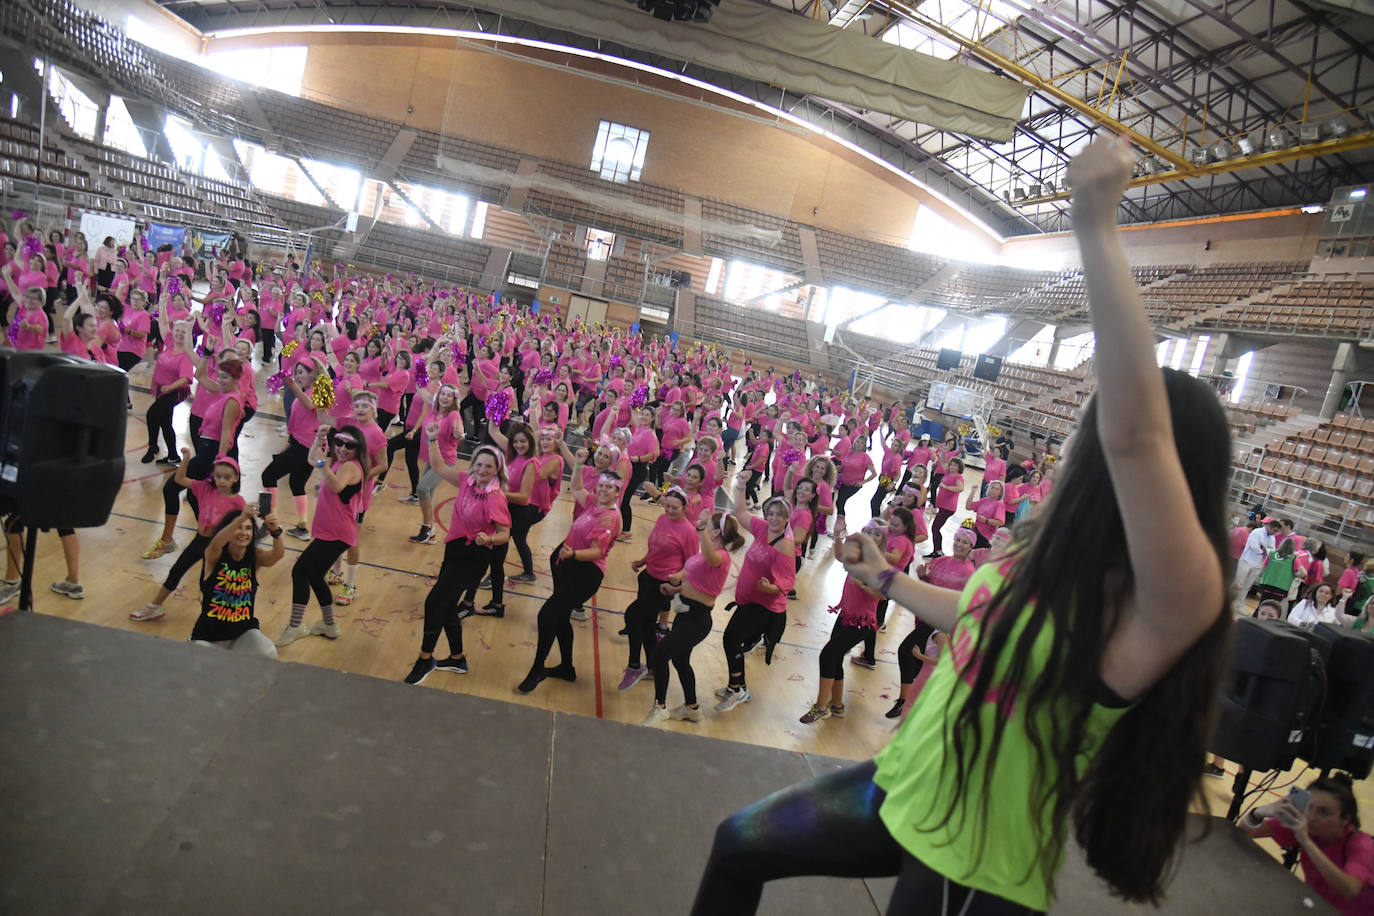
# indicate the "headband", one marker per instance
pixel 608 477
pixel 723 516
pixel 778 499
pixel 677 491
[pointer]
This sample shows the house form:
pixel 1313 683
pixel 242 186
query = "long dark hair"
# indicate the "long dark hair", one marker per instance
pixel 1129 806
pixel 359 453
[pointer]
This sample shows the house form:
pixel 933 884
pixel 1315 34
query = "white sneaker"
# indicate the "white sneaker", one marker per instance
pixel 9 591
pixel 327 630
pixel 657 716
pixel 579 613
pixel 733 699
pixel 291 634
pixel 722 692
pixel 685 713
pixel 147 612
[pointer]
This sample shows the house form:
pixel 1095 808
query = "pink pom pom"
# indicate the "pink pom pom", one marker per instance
pixel 791 456
pixel 32 245
pixel 421 374
pixel 216 310
pixel 14 329
pixel 277 381
pixel 173 286
pixel 19 214
pixel 640 396
pixel 498 407
pixel 543 378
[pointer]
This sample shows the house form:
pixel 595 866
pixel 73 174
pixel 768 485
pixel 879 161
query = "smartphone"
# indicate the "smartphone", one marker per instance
pixel 1299 799
pixel 264 505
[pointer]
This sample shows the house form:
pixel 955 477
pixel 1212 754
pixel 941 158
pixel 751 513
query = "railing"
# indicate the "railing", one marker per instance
pixel 1323 321
pixel 1334 519
pixel 748 342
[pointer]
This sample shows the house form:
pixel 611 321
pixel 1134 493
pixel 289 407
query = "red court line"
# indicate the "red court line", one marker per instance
pixel 596 657
pixel 146 476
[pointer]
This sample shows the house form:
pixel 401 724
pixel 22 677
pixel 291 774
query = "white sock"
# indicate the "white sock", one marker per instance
pixel 350 573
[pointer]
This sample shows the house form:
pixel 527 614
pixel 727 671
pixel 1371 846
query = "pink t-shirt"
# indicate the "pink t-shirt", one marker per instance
pixel 376 454
pixel 904 547
pixel 857 607
pixel 949 499
pixel 214 505
pixel 32 340
pixel 335 519
pixel 595 527
pixel 992 509
pixel 994 468
pixel 705 578
pixel 670 545
pixel 763 560
pixel 135 320
pixel 477 509
pixel 853 467
pixel 546 489
pixel 170 366
pixel 212 422
pixel 303 424
pixel 1353 855
pixel 949 572
pixel 1348 580
pixel 643 443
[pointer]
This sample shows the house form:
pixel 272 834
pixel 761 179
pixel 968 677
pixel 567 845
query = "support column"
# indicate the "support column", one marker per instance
pixel 1341 367
pixel 1218 361
pixel 1060 333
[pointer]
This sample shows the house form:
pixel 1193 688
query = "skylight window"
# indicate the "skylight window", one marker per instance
pixel 619 152
pixel 974 21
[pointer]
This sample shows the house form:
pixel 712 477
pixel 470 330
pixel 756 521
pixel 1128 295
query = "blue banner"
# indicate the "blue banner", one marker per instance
pixel 672 339
pixel 535 307
pixel 159 234
pixel 634 328
pixel 207 244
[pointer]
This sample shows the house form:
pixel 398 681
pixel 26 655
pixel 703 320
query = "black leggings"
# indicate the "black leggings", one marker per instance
pixel 198 468
pixel 908 664
pixel 522 519
pixel 842 639
pixel 127 360
pixel 641 615
pixel 875 505
pixel 309 571
pixel 690 627
pixel 871 640
pixel 295 462
pixel 462 568
pixel 941 516
pixel 827 826
pixel 843 494
pixel 638 472
pixel 159 420
pixel 269 340
pixel 193 554
pixel 411 446
pixel 746 627
pixel 574 584
pixel 751 487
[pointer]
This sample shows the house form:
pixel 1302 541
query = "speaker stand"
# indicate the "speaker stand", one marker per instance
pixel 1238 793
pixel 26 572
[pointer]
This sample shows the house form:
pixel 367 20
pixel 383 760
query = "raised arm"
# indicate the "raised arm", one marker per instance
pixel 1178 589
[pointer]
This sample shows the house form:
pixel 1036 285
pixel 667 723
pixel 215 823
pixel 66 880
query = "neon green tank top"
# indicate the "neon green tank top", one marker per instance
pixel 917 771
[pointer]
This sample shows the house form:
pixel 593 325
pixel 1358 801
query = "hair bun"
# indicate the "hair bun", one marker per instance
pixel 1344 779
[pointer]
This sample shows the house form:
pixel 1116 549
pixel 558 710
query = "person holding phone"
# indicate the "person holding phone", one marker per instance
pixel 1323 821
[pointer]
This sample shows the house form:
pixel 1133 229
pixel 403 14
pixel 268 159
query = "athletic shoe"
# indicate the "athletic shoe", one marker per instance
pixel 815 714
pixel 9 590
pixel 524 578
pixel 792 595
pixel 346 595
pixel 291 634
pixel 492 609
pixel 327 630
pixel 862 662
pixel 378 487
pixel 160 548
pixel 733 699
pixel 531 681
pixel 425 536
pixel 685 713
pixel 896 711
pixel 409 499
pixel 149 455
pixel 657 716
pixel 1211 769
pixel 421 669
pixel 170 461
pixel 300 533
pixel 452 665
pixel 633 676
pixel 72 590
pixel 722 692
pixel 334 577
pixel 485 583
pixel 563 672
pixel 837 710
pixel 147 612
pixel 465 611
pixel 579 613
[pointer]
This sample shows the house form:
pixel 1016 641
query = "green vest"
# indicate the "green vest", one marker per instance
pixel 917 771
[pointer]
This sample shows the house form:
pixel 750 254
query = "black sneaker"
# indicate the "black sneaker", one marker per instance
pixel 531 681
pixel 792 595
pixel 563 672
pixel 423 666
pixel 524 578
pixel 1211 769
pixel 896 711
pixel 465 611
pixel 149 455
pixel 485 583
pixel 452 665
pixel 492 609
pixel 862 662
pixel 170 461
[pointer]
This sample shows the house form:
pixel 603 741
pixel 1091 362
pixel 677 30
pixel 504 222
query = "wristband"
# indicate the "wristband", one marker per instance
pixel 885 580
pixel 320 463
pixel 276 534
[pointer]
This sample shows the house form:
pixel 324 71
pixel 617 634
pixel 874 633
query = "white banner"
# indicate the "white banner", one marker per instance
pixel 99 226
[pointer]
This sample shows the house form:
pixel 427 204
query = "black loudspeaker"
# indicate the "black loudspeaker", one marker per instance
pixel 987 367
pixel 1270 694
pixel 61 438
pixel 1344 738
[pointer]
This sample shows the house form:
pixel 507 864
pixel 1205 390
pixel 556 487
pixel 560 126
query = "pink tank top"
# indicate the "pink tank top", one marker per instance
pixel 336 514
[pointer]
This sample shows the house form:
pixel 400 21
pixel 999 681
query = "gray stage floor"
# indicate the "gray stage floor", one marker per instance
pixel 139 775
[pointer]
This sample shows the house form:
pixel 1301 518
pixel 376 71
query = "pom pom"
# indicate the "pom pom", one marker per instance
pixel 677 368
pixel 143 240
pixel 421 374
pixel 214 251
pixel 289 348
pixel 640 396
pixel 963 429
pixel 216 310
pixel 277 381
pixel 792 456
pixel 322 398
pixel 457 353
pixel 32 245
pixel 14 327
pixel 544 378
pixel 173 286
pixel 616 360
pixel 498 407
pixel 1051 460
pixel 885 482
pixel 994 431
pixel 967 523
pixel 19 214
pixel 123 251
pixel 796 377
